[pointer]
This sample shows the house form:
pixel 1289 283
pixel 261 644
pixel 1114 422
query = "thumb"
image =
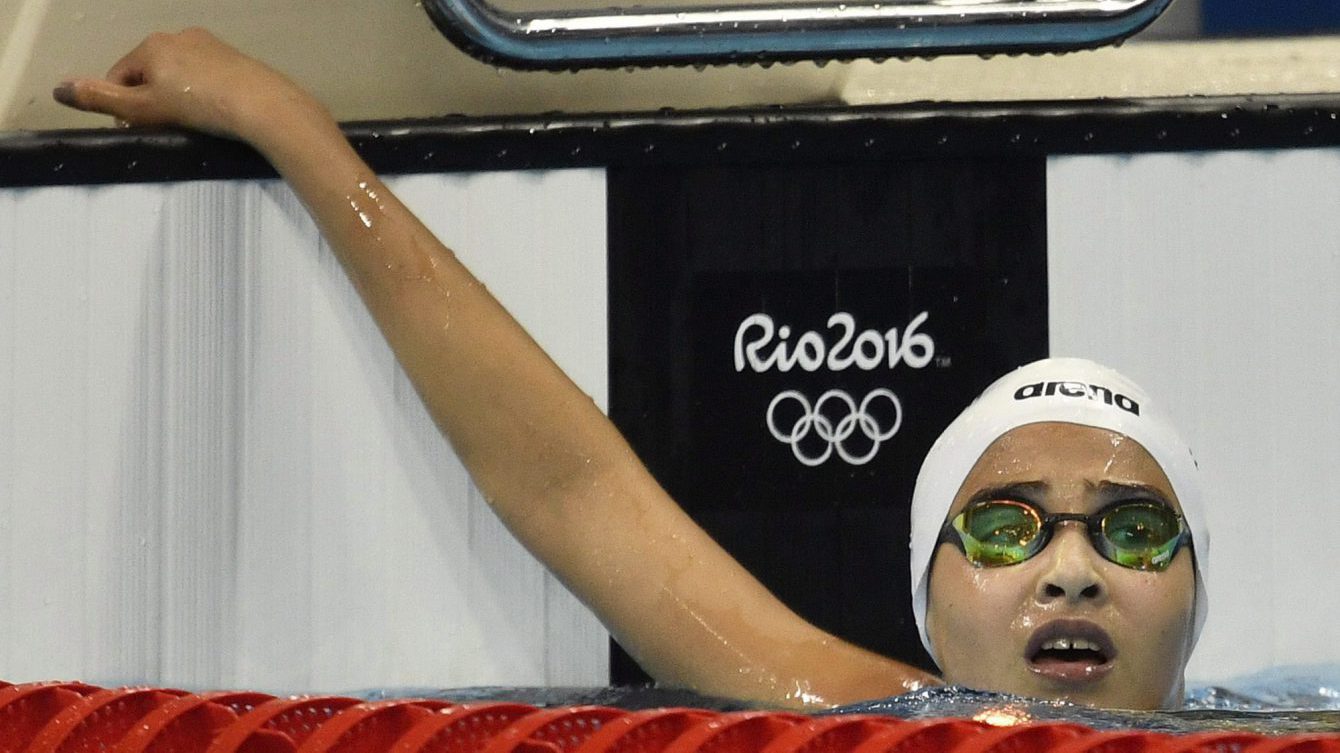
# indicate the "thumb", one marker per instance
pixel 128 103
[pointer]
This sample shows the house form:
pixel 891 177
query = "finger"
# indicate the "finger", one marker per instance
pixel 131 69
pixel 127 73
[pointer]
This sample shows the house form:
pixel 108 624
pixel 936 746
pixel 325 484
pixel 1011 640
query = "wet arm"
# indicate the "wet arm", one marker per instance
pixel 552 466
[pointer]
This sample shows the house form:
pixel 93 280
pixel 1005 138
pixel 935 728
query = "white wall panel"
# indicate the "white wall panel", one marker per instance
pixel 212 472
pixel 1211 279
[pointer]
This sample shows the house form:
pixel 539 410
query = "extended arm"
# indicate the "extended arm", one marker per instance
pixel 553 467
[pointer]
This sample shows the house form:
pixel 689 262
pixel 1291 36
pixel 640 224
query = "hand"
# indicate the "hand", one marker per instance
pixel 189 79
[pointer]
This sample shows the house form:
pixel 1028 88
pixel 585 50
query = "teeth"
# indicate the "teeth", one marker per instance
pixel 1068 644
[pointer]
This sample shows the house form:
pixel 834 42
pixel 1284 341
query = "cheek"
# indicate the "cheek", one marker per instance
pixel 970 616
pixel 1166 597
pixel 1165 605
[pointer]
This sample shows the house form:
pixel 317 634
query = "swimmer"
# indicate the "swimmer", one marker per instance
pixel 1057 533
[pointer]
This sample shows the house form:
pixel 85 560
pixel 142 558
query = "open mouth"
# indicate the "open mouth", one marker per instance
pixel 1071 651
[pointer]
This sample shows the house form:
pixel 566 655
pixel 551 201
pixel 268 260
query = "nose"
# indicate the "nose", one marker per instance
pixel 1070 573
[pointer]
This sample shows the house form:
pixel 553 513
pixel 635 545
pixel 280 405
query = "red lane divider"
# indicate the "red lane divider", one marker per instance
pixel 552 730
pixel 831 734
pixel 1023 738
pixel 1298 744
pixel 1208 742
pixel 279 726
pixel 190 723
pixel 930 736
pixel 461 729
pixel 1111 742
pixel 239 701
pixel 98 721
pixel 370 727
pixel 25 709
pixel 643 731
pixel 740 732
pixel 71 717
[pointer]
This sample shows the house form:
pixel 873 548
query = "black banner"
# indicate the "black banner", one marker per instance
pixel 787 342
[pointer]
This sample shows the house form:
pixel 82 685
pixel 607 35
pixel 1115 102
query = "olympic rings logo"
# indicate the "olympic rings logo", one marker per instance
pixel 832 430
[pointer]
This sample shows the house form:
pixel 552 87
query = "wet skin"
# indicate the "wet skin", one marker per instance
pixel 986 623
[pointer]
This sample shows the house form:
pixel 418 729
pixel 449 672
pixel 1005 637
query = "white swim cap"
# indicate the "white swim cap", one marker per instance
pixel 1067 390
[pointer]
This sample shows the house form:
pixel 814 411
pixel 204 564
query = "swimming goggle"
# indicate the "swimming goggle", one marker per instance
pixel 1139 534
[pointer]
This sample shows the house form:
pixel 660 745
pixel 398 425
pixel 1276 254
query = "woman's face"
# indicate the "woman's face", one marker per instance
pixel 988 624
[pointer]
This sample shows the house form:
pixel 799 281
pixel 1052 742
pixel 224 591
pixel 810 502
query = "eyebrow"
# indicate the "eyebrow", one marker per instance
pixel 1027 491
pixel 1111 491
pixel 1036 491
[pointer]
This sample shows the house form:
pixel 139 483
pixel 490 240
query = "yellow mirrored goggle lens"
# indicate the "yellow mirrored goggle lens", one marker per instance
pixel 1140 535
pixel 999 533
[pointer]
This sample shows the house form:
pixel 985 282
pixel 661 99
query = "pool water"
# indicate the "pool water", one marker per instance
pixel 1281 688
pixel 1281 700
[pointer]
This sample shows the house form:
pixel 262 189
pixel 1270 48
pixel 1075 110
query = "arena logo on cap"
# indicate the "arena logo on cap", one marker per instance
pixel 1096 392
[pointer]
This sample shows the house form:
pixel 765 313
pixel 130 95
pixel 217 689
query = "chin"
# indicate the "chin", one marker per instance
pixel 1109 692
pixel 1123 698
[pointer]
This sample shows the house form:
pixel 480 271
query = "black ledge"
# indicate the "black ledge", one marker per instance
pixel 777 135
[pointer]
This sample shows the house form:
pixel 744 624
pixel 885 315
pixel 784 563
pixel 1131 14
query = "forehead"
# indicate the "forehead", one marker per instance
pixel 1068 459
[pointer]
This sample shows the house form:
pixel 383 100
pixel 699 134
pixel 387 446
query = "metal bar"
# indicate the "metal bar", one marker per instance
pixel 782 32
